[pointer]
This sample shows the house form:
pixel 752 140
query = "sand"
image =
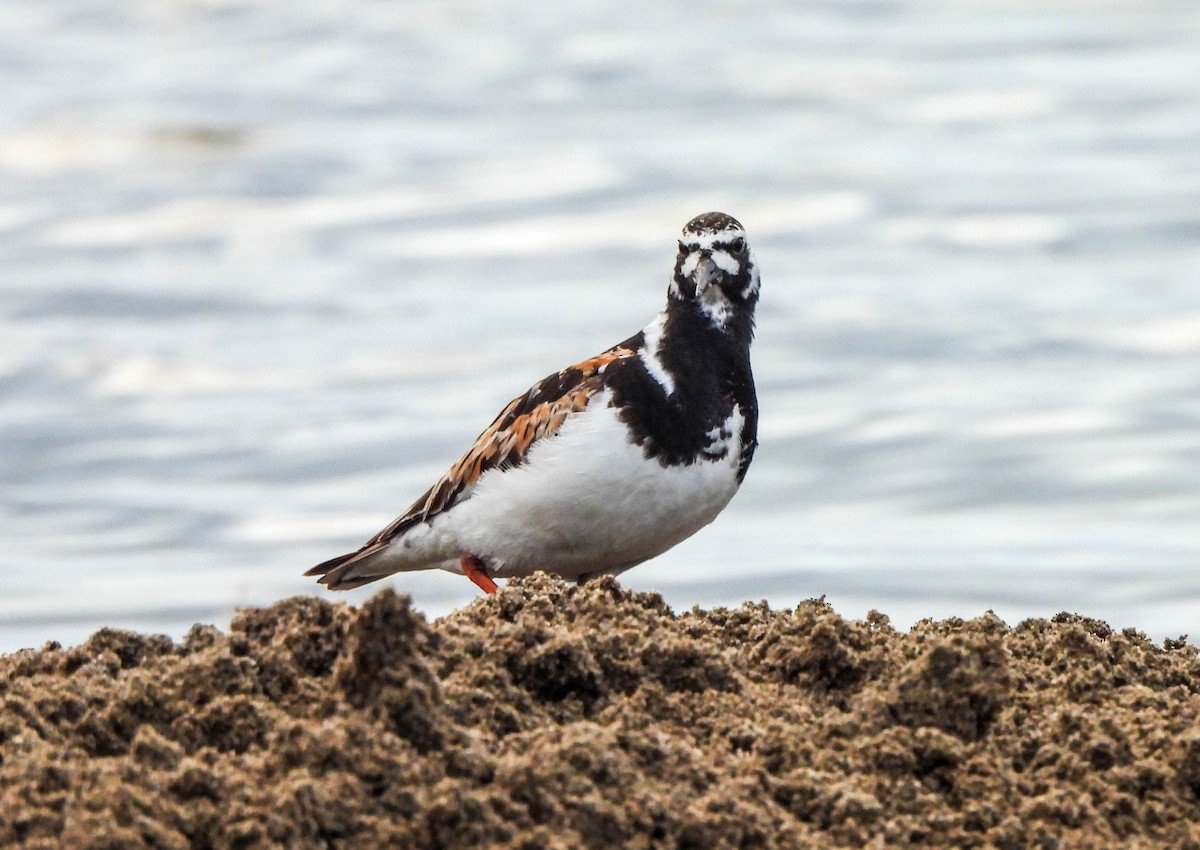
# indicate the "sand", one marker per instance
pixel 554 716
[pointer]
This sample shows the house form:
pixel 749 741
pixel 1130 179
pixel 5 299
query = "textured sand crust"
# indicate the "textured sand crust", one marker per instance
pixel 550 716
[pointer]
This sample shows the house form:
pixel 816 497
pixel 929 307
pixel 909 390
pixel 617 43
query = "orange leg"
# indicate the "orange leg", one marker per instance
pixel 474 569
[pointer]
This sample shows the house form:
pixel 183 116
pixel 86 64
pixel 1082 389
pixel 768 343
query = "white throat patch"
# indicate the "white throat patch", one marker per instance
pixel 714 304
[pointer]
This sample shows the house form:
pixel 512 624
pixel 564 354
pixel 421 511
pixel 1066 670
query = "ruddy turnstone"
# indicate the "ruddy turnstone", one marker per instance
pixel 609 462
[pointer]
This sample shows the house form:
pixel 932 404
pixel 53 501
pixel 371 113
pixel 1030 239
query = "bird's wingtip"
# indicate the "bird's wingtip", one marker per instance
pixel 325 567
pixel 351 570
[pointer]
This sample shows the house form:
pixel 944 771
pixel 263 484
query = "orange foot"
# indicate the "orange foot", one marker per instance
pixel 474 569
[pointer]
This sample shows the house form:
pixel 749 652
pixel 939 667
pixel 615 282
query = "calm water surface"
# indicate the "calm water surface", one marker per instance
pixel 266 268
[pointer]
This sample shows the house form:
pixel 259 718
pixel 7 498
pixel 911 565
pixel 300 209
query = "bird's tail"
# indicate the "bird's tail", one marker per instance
pixel 355 569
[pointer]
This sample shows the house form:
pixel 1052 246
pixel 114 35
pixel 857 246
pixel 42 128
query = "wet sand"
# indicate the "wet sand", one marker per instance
pixel 551 716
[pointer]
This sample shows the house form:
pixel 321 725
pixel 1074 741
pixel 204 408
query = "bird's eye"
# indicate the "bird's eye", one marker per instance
pixel 739 245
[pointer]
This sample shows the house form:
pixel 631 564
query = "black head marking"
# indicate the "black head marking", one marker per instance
pixel 712 222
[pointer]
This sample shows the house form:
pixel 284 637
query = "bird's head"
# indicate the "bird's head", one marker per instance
pixel 714 268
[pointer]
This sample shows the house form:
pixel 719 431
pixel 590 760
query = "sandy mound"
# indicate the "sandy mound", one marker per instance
pixel 550 716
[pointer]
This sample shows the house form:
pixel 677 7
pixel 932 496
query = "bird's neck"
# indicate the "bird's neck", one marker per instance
pixel 684 346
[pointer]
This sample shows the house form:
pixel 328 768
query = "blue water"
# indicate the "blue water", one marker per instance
pixel 267 268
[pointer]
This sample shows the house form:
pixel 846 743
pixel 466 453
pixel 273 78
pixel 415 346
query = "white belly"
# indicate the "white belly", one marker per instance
pixel 587 500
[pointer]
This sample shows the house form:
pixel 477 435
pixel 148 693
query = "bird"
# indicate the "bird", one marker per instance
pixel 609 462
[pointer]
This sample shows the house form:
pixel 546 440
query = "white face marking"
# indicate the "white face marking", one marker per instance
pixel 689 264
pixel 726 262
pixel 649 354
pixel 723 260
pixel 752 286
pixel 708 238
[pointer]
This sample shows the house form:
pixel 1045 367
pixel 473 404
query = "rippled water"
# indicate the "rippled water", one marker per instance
pixel 269 267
